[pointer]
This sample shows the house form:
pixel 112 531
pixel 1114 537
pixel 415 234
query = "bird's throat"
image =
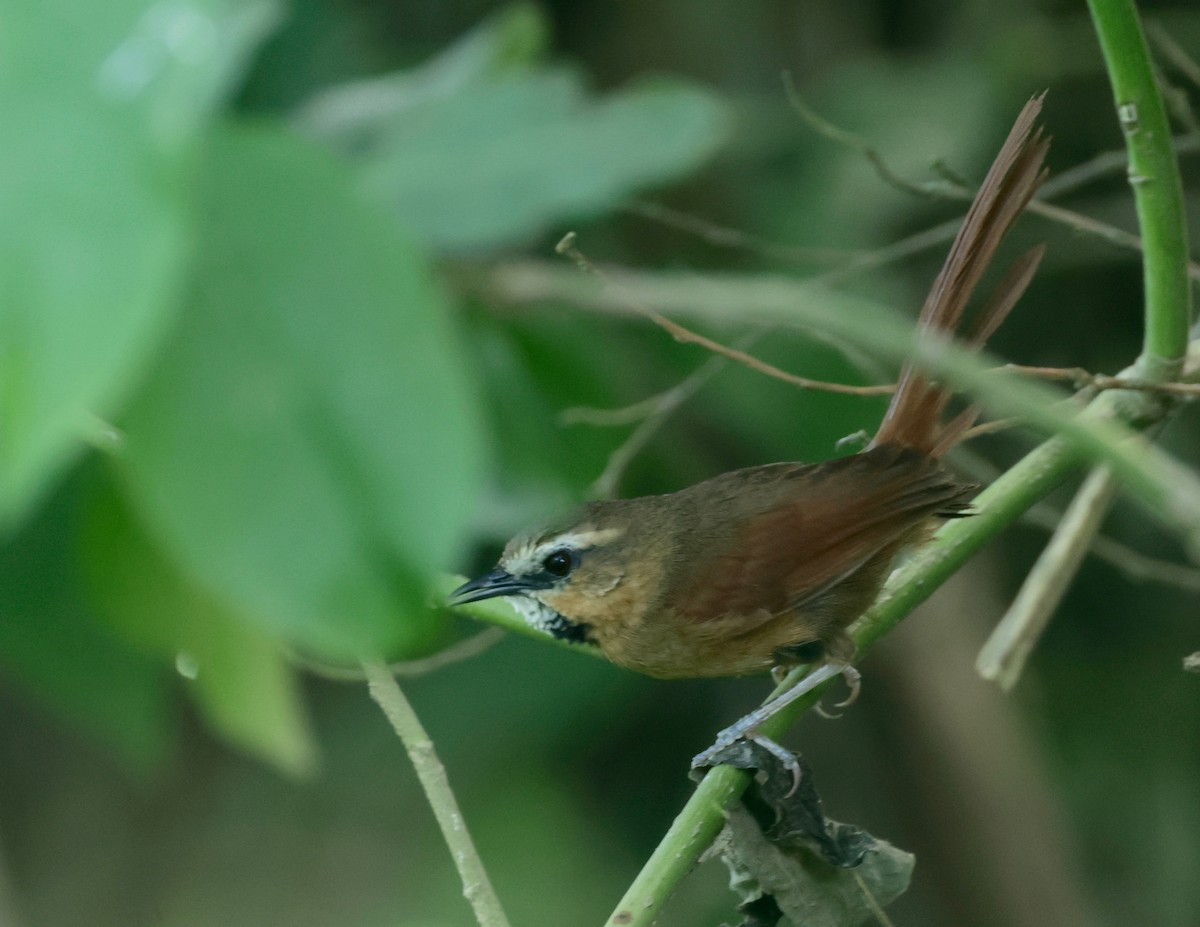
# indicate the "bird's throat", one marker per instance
pixel 544 618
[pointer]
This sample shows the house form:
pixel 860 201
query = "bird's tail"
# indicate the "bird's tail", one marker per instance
pixel 914 417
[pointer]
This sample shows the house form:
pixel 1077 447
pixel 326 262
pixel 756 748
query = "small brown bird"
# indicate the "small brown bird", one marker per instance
pixel 766 567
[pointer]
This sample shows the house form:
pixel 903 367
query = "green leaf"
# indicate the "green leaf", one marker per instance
pixel 238 678
pixel 499 162
pixel 102 103
pixel 308 445
pixel 54 646
pixel 509 41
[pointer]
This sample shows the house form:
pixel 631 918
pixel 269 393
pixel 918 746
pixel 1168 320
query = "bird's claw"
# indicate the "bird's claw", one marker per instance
pixel 854 683
pixel 716 754
pixel 746 730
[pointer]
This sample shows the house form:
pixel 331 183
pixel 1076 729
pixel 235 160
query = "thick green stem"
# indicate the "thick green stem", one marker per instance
pixel 998 506
pixel 1157 189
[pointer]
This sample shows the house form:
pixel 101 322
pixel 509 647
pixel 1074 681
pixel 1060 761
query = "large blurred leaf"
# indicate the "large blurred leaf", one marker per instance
pixel 52 645
pixel 102 105
pixel 501 161
pixel 510 40
pixel 308 443
pixel 238 678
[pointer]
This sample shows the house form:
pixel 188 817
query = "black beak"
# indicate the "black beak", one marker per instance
pixel 489 586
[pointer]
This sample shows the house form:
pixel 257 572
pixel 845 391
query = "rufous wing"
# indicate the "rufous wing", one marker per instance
pixel 833 521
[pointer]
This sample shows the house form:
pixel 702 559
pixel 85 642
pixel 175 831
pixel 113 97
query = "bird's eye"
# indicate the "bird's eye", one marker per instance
pixel 558 563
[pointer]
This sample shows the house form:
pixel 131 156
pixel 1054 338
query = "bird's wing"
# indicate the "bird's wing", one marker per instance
pixel 818 532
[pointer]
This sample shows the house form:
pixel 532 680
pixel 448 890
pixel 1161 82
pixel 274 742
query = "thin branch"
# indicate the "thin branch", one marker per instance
pixel 684 335
pixel 1007 649
pixel 477 887
pixel 1177 98
pixel 1102 165
pixel 605 486
pixel 723 236
pixel 466 649
pixel 1173 51
pixel 615 418
pixel 843 137
pixel 1080 379
pixel 1133 564
pixel 1062 183
pixel 951 187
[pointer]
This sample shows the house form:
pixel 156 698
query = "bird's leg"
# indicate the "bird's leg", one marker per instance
pixel 747 727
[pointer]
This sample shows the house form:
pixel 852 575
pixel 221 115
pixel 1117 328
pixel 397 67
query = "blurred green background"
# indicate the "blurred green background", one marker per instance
pixel 257 386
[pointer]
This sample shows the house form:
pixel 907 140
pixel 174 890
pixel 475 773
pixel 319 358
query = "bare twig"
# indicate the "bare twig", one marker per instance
pixel 1173 52
pixel 1178 102
pixel 614 418
pixel 465 649
pixel 723 236
pixel 477 887
pixel 843 137
pixel 872 902
pixel 1102 165
pixel 683 335
pixel 949 187
pixel 687 336
pixel 1004 654
pixel 1080 379
pixel 605 486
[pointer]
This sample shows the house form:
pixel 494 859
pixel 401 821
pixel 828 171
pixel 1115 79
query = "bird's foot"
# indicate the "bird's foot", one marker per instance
pixel 746 729
pixel 728 739
pixel 853 680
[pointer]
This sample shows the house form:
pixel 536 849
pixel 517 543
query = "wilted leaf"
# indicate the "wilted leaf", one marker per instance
pixel 807 890
pixel 786 857
pixel 308 444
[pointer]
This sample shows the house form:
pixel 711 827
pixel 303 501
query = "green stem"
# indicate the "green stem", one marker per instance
pixel 1157 188
pixel 998 506
pixel 477 887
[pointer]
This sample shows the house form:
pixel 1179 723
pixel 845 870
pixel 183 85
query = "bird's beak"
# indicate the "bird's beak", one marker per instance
pixel 496 583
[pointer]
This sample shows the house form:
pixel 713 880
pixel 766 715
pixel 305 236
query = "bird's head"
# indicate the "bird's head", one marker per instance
pixel 566 579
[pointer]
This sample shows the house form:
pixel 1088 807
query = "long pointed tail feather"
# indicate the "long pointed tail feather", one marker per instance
pixel 914 416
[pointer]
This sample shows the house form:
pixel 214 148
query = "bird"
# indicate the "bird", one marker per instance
pixel 764 568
